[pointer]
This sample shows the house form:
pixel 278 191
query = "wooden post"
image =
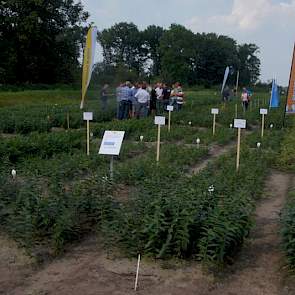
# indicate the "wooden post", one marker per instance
pixel 214 123
pixel 236 110
pixel 262 126
pixel 158 142
pixel 88 141
pixel 68 120
pixel 137 271
pixel 238 149
pixel 112 168
pixel 169 121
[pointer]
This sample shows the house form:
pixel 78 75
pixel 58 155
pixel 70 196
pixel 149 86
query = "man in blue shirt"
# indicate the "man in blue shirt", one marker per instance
pixel 125 97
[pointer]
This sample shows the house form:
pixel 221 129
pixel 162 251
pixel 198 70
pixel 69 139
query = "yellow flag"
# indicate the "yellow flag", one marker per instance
pixel 291 89
pixel 88 61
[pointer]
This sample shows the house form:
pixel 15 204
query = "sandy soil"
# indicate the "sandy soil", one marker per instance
pixel 89 269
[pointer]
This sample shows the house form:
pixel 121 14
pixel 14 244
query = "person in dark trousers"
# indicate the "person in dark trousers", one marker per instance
pixel 125 101
pixel 166 95
pixel 153 100
pixel 245 99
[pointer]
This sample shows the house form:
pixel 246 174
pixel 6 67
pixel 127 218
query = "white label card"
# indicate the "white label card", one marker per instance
pixel 159 120
pixel 170 108
pixel 214 111
pixel 87 116
pixel 263 111
pixel 240 123
pixel 111 143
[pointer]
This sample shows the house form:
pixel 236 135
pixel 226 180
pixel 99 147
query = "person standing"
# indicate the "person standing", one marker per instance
pixel 159 101
pixel 134 89
pixel 225 94
pixel 104 97
pixel 177 96
pixel 125 101
pixel 245 99
pixel 166 95
pixel 153 100
pixel 143 101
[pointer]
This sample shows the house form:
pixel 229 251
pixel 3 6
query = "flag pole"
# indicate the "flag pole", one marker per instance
pixel 286 101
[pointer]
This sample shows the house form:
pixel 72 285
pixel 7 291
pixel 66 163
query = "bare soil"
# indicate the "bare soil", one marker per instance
pixel 90 269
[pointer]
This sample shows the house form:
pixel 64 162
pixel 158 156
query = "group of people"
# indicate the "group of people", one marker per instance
pixel 140 99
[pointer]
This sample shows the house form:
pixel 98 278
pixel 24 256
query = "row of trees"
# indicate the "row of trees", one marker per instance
pixel 41 41
pixel 175 54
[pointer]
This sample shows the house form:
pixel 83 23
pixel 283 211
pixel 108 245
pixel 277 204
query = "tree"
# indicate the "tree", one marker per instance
pixel 249 63
pixel 40 40
pixel 151 37
pixel 215 53
pixel 122 46
pixel 178 52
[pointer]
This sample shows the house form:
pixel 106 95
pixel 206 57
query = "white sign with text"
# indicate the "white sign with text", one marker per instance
pixel 87 116
pixel 170 108
pixel 263 111
pixel 214 111
pixel 111 143
pixel 159 120
pixel 240 123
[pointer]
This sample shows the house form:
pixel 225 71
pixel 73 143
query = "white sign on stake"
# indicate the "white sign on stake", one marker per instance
pixel 263 111
pixel 214 111
pixel 170 108
pixel 111 143
pixel 159 120
pixel 87 116
pixel 240 123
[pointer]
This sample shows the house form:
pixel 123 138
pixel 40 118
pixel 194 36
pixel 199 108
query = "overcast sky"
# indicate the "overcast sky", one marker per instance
pixel 268 23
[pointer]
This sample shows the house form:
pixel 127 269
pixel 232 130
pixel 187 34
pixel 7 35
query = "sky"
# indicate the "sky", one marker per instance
pixel 268 23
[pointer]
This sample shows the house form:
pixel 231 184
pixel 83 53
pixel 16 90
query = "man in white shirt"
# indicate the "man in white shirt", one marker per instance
pixel 143 101
pixel 159 102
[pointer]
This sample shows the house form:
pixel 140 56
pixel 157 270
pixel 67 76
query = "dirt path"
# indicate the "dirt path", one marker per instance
pixel 88 269
pixel 215 151
pixel 259 269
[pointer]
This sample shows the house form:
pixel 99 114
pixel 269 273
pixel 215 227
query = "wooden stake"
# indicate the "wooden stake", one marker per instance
pixel 158 143
pixel 214 123
pixel 262 126
pixel 169 121
pixel 238 149
pixel 88 140
pixel 68 120
pixel 137 271
pixel 112 168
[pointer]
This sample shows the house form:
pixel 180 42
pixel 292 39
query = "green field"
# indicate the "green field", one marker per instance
pixel 60 194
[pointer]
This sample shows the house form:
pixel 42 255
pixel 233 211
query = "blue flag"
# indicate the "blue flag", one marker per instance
pixel 274 101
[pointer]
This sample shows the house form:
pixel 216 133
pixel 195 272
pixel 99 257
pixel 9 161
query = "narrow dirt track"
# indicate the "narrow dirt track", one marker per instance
pixel 87 269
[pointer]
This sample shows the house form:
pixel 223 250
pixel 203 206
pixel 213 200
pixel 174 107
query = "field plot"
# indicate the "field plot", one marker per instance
pixel 178 212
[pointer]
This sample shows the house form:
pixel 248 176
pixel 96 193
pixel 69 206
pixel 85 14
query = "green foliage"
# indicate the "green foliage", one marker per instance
pixel 286 158
pixel 40 40
pixel 288 230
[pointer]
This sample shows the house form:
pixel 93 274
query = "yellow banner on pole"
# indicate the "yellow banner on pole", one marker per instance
pixel 88 61
pixel 290 108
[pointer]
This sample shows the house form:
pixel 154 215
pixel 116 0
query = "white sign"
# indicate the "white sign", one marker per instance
pixel 214 111
pixel 87 116
pixel 159 120
pixel 240 123
pixel 111 143
pixel 263 111
pixel 170 108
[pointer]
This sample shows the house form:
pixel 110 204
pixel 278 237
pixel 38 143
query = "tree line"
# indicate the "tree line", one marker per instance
pixel 41 42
